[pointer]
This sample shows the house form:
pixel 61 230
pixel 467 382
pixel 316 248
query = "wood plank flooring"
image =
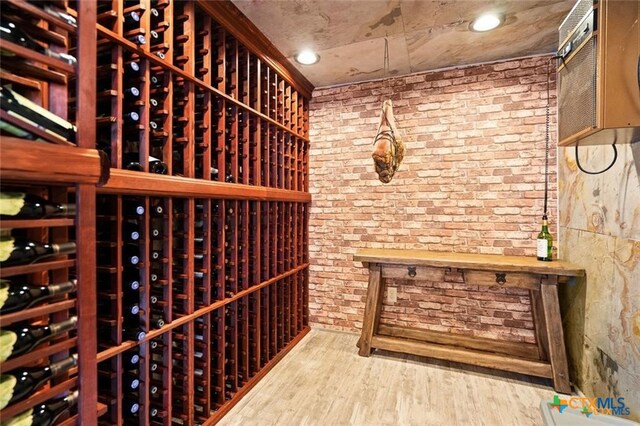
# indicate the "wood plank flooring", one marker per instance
pixel 323 381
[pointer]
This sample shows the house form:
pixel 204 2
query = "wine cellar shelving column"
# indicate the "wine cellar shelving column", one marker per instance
pixel 202 242
pixel 49 172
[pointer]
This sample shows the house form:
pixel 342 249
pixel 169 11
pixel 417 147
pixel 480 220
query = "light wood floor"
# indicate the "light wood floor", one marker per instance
pixel 323 381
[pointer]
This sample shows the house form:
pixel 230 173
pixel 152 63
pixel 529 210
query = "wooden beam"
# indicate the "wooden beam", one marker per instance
pixel 523 350
pixel 130 182
pixel 464 356
pixel 553 324
pixel 372 309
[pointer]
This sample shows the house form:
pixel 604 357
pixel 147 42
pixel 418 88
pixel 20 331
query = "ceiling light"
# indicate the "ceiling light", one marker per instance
pixel 486 22
pixel 307 57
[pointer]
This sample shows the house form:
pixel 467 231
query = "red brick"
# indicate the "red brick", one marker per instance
pixel 470 183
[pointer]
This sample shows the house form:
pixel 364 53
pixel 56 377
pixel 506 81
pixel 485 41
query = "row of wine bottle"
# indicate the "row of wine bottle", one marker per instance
pixel 19 383
pixel 19 339
pixel 46 414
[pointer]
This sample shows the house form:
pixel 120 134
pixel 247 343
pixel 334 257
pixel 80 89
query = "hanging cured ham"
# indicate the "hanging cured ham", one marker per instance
pixel 389 149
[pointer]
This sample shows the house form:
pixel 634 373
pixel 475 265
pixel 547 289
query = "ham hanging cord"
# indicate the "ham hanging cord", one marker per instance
pixel 389 149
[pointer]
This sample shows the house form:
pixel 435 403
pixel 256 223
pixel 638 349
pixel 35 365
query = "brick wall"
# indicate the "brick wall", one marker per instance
pixel 471 181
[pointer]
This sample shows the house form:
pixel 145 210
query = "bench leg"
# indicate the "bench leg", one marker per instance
pixel 371 309
pixel 537 311
pixel 553 324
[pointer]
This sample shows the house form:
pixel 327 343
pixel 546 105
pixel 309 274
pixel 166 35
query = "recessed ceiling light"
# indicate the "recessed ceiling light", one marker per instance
pixel 486 22
pixel 307 57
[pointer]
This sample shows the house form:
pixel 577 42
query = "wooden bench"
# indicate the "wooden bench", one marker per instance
pixel 547 358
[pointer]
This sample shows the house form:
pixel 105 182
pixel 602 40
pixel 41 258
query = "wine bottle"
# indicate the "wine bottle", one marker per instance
pixel 155 165
pixel 544 242
pixel 131 280
pixel 130 406
pixel 58 13
pixel 131 254
pixel 31 114
pixel 138 39
pixel 131 231
pixel 132 117
pixel 130 383
pixel 10 31
pixel 45 414
pixel 21 251
pixel 21 382
pixel 20 339
pixel 133 333
pixel 131 20
pixel 16 296
pixel 130 360
pixel 20 205
pixel 132 91
pixel 133 207
pixel 132 69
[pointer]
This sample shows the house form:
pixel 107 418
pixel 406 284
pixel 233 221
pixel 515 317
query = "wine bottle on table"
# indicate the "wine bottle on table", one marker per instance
pixel 46 414
pixel 544 242
pixel 22 338
pixel 19 383
pixel 17 296
pixel 21 251
pixel 32 114
pixel 20 205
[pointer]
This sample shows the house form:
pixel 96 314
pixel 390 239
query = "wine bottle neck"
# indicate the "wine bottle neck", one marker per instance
pixel 62 288
pixel 68 209
pixel 63 326
pixel 62 366
pixel 64 248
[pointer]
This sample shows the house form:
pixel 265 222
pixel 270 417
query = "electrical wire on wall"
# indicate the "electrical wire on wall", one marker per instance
pixel 615 157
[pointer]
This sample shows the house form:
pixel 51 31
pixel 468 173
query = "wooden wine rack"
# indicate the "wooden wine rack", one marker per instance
pixel 61 172
pixel 221 237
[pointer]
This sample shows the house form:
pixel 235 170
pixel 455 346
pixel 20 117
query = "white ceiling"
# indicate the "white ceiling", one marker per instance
pixel 423 34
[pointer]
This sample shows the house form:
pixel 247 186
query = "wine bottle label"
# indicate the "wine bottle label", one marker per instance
pixel 6 248
pixel 542 247
pixel 23 419
pixel 67 130
pixel 16 131
pixel 7 386
pixel 4 292
pixel 11 203
pixel 7 340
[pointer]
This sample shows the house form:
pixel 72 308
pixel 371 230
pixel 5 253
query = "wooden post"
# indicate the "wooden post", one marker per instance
pixel 372 309
pixel 537 312
pixel 553 325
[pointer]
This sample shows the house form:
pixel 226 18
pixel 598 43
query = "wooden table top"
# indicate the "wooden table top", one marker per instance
pixel 483 262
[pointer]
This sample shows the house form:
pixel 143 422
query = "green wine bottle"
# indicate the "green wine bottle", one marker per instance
pixel 545 242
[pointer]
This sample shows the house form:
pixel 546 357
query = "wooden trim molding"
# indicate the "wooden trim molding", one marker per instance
pixel 245 31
